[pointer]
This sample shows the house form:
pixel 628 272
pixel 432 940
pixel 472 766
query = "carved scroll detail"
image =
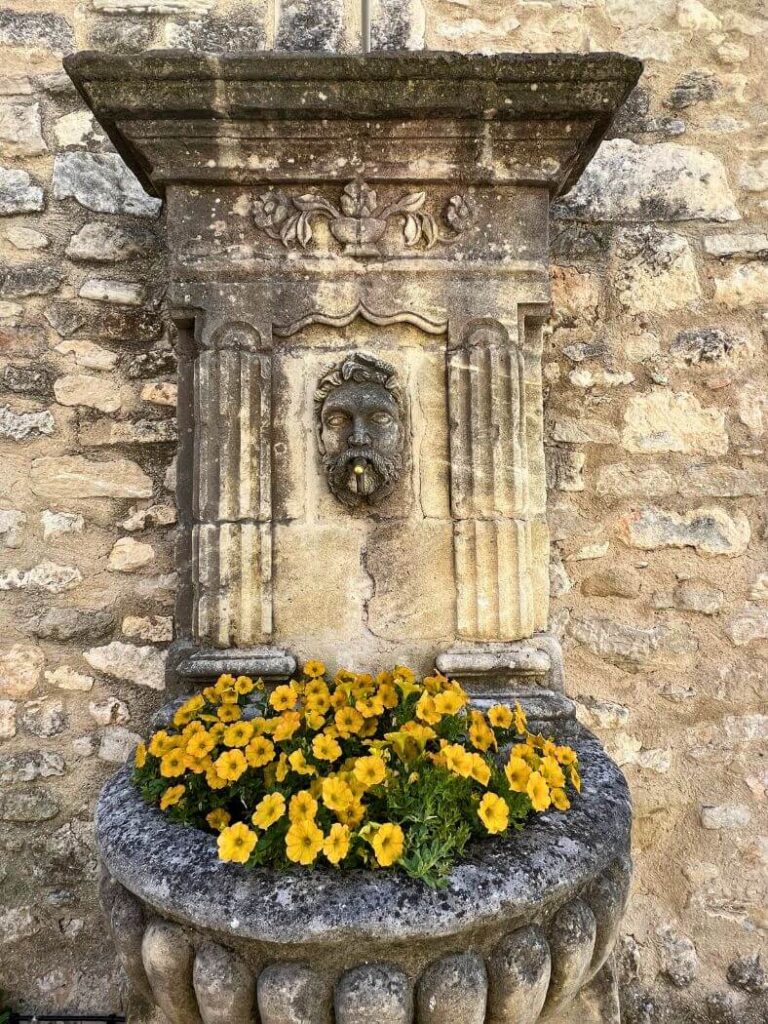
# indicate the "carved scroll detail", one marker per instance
pixel 232 498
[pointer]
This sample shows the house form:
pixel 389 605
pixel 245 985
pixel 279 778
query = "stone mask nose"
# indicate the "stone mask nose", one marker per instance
pixel 360 435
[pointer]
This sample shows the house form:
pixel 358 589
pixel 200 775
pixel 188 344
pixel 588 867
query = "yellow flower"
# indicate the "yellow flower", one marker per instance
pixel 243 685
pixel 388 845
pixel 303 842
pixel 218 819
pixel 352 815
pixel 231 764
pixel 315 721
pixel 236 842
pixel 436 683
pixel 314 669
pixel 457 759
pixel 348 721
pixel 500 716
pixel 269 809
pixel 200 744
pixel 300 765
pixel 370 707
pixel 480 771
pixel 449 702
pixel 238 734
pixel 518 772
pixel 575 778
pixel 494 813
pixel 283 698
pixel 211 694
pixel 526 751
pixel 228 695
pixel 217 730
pixel 387 694
pixel 370 771
pixel 303 807
pixel 213 779
pixel 552 773
pixel 521 722
pixel 566 755
pixel 426 709
pixel 480 733
pixel 161 743
pixel 326 748
pixel 421 733
pixel 336 845
pixel 171 796
pixel 401 674
pixel 229 713
pixel 317 703
pixel 337 795
pixel 282 768
pixel 560 799
pixel 260 751
pixel 538 791
pixel 287 724
pixel 225 682
pixel 172 764
pixel 140 757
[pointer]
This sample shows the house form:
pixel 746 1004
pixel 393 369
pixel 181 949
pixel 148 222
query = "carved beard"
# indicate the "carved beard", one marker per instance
pixel 379 476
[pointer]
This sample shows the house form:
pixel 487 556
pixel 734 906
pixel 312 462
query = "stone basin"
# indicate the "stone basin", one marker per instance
pixel 523 932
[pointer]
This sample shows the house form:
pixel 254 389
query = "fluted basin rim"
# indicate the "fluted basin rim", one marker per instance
pixel 175 869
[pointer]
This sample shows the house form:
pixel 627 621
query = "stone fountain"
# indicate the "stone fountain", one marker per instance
pixel 359 281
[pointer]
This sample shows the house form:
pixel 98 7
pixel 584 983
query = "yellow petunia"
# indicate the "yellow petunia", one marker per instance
pixel 300 765
pixel 426 709
pixel 172 764
pixel 286 725
pixel 538 792
pixel 269 809
pixel 282 768
pixel 229 713
pixel 521 722
pixel 218 819
pixel 314 668
pixel 230 765
pixel 388 844
pixel 303 842
pixel 370 771
pixel 326 748
pixel 171 796
pixel 457 759
pixel 552 772
pixel 200 744
pixel 387 694
pixel 500 716
pixel 348 721
pixel 518 772
pixel 566 755
pixel 494 813
pixel 573 775
pixel 560 799
pixel 352 815
pixel 314 720
pixel 303 807
pixel 480 733
pixel 336 844
pixel 283 698
pixel 236 842
pixel 243 685
pixel 480 771
pixel 140 756
pixel 337 795
pixel 213 779
pixel 225 682
pixel 449 702
pixel 161 743
pixel 260 751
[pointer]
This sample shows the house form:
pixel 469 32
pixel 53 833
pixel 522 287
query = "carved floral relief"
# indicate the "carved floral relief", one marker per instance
pixel 359 221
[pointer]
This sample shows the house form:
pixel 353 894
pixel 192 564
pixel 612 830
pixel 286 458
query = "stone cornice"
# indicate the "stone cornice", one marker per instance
pixel 524 119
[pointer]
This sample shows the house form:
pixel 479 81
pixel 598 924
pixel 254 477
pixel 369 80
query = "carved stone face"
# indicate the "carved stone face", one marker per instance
pixel 360 430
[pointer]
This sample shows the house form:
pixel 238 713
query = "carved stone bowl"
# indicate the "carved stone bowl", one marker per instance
pixel 523 932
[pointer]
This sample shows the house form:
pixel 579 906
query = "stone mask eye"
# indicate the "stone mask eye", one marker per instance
pixel 382 418
pixel 336 419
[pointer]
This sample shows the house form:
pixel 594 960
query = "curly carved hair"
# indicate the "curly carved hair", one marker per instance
pixel 360 368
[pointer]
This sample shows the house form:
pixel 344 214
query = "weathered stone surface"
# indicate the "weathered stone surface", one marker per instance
pixel 564 469
pixel 71 624
pixel 101 289
pixel 20 131
pixel 101 182
pixel 84 389
pixel 759 589
pixel 305 26
pixel 697 596
pixel 18 28
pixel 748 625
pixel 662 421
pixel 87 355
pixel 705 345
pixel 741 243
pixel 241 30
pixel 375 992
pixel 652 269
pixel 75 129
pixel 126 922
pixel 25 238
pixel 117 744
pixel 571 935
pixel 109 711
pixel 27 380
pixel 725 817
pixel 398 25
pixel 67 678
pixel 160 393
pixel 519 970
pixel 754 176
pixel 289 993
pixel 225 987
pixel 612 583
pixel 27 805
pixel 679 962
pixel 743 286
pixel 632 647
pixel 19 193
pixel 18 923
pixel 44 718
pixel 55 524
pixel 129 555
pixel 20 669
pixel 583 430
pixel 748 974
pixel 621 480
pixel 76 477
pixel 168 956
pixel 664 182
pixel 156 629
pixel 144 518
pixel 7 719
pixel 153 6
pixel 711 531
pixel 106 432
pixel 35 279
pixel 722 481
pixel 12 523
pixel 694 87
pixel 144 666
pixel 454 988
pixel 45 577
pixel 100 242
pixel 18 426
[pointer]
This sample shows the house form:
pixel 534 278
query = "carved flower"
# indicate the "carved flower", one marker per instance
pixel 459 213
pixel 271 209
pixel 359 200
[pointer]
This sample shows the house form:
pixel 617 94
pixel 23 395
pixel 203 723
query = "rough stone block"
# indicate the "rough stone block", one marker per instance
pixel 453 989
pixel 20 132
pixel 109 243
pixel 373 993
pixel 663 421
pixel 292 994
pixel 167 956
pixel 711 531
pixel 225 987
pixel 144 666
pixel 19 28
pixel 101 182
pixel 73 476
pixel 519 970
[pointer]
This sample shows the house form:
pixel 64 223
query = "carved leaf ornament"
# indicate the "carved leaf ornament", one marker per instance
pixel 359 222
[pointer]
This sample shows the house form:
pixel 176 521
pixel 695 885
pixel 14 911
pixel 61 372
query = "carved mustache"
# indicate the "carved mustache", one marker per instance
pixel 376 470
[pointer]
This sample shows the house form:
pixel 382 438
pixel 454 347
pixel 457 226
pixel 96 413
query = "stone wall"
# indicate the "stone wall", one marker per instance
pixel 657 411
